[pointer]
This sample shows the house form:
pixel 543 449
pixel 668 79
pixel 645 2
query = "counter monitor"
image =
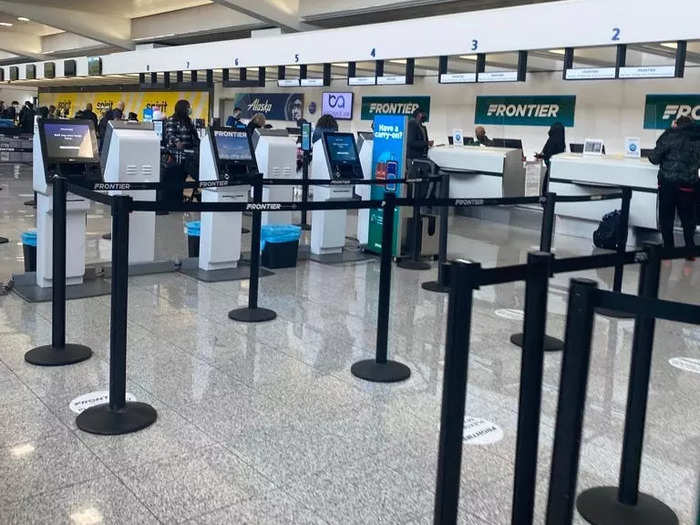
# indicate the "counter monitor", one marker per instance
pixel 69 141
pixel 233 155
pixel 232 145
pixel 341 152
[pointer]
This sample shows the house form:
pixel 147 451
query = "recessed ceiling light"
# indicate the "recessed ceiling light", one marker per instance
pixel 467 57
pixel 6 24
pixel 23 19
pixel 557 51
pixel 672 45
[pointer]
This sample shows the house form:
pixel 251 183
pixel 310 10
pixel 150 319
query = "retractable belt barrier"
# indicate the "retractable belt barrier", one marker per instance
pixel 467 277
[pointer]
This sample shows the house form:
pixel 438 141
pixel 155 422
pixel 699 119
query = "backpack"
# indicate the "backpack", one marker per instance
pixel 607 234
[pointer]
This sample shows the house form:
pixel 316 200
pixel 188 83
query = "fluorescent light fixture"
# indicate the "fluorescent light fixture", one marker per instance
pixel 340 64
pixel 23 19
pixel 398 61
pixel 22 450
pixel 6 24
pixel 467 57
pixel 558 51
pixel 89 516
pixel 672 45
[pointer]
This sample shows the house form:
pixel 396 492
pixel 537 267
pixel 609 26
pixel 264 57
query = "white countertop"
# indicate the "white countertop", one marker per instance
pixel 605 169
pixel 469 158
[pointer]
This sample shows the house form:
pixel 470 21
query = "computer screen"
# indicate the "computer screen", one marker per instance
pixel 306 136
pixel 232 145
pixel 339 105
pixel 69 140
pixel 341 147
pixel 158 127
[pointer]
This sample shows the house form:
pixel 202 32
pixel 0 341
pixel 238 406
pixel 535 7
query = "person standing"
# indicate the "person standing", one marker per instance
pixel 26 118
pixel 179 135
pixel 88 114
pixel 234 121
pixel 12 111
pixel 417 140
pixel 326 123
pixel 481 137
pixel 52 111
pixel 556 143
pixel 677 153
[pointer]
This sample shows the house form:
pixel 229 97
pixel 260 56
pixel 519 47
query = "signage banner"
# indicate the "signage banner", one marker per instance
pixel 275 106
pixel 388 162
pixel 143 103
pixel 510 110
pixel 373 106
pixel 661 110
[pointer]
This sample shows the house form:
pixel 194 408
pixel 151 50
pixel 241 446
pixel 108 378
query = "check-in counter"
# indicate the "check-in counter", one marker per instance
pixel 481 171
pixel 575 174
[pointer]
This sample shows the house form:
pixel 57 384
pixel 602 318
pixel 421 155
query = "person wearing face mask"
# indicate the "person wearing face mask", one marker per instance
pixel 481 137
pixel 179 134
pixel 417 140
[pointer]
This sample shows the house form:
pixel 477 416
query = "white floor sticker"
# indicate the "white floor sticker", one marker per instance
pixel 478 431
pixel 688 364
pixel 80 403
pixel 510 313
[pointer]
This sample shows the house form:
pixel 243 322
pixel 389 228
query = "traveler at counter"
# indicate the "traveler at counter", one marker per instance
pixel 677 153
pixel 179 135
pixel 417 140
pixel 234 121
pixel 88 114
pixel 481 137
pixel 52 111
pixel 258 121
pixel 326 123
pixel 26 118
pixel 556 143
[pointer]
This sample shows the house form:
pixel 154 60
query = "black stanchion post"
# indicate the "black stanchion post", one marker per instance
pixel 254 314
pixel 442 283
pixel 305 190
pixel 539 266
pixel 118 416
pixel 463 281
pixel 620 248
pixel 551 344
pixel 58 352
pixel 626 505
pixel 380 369
pixel 414 239
pixel 572 400
pixel 547 229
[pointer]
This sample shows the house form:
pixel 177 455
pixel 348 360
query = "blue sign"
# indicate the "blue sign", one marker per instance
pixel 388 162
pixel 147 114
pixel 275 106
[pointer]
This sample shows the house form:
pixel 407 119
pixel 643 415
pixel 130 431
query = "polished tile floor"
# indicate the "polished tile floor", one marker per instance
pixel 265 424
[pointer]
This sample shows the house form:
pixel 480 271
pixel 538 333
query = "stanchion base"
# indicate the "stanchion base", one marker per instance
pixel 252 315
pixel 3 240
pixel 551 344
pixel 410 264
pixel 600 506
pixel 103 420
pixel 607 312
pixel 435 286
pixel 30 203
pixel 47 355
pixel 389 372
pixel 107 236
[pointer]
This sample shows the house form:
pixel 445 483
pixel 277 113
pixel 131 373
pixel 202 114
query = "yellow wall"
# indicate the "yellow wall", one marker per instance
pixel 135 101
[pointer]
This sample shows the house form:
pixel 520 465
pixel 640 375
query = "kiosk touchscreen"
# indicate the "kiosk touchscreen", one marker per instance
pixel 365 141
pixel 224 155
pixel 67 148
pixel 335 158
pixel 276 156
pixel 131 153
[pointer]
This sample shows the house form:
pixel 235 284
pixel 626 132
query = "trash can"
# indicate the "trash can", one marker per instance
pixel 192 230
pixel 279 245
pixel 29 249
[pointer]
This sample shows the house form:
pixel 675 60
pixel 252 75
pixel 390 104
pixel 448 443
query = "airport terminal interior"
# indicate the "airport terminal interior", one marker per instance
pixel 392 262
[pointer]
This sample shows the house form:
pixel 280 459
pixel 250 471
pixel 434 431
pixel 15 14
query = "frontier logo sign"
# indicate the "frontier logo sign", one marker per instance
pixel 372 106
pixel 525 110
pixel 661 110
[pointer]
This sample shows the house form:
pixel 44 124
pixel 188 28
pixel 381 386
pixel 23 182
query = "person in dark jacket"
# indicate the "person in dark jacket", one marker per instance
pixel 179 134
pixel 88 114
pixel 26 118
pixel 481 137
pixel 677 153
pixel 556 143
pixel 234 121
pixel 417 140
pixel 326 123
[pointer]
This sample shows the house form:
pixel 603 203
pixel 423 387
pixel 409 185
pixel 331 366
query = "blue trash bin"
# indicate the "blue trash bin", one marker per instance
pixel 29 250
pixel 279 244
pixel 192 229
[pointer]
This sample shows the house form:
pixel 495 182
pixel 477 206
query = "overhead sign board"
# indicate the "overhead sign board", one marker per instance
pixel 391 80
pixel 373 106
pixel 362 81
pixel 275 106
pixel 311 82
pixel 510 110
pixel 288 82
pixel 498 76
pixel 590 73
pixel 661 110
pixel 457 78
pixel 648 72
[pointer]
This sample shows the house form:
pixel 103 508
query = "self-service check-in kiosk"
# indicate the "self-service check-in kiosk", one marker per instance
pixel 335 158
pixel 365 140
pixel 276 156
pixel 224 154
pixel 67 148
pixel 131 153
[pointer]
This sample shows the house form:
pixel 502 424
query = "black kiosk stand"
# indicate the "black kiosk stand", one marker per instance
pixel 69 151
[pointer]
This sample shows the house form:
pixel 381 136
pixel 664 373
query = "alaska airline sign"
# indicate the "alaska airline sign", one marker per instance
pixel 661 110
pixel 542 110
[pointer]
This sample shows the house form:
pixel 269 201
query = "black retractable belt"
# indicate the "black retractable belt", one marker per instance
pixel 252 313
pixel 626 505
pixel 380 369
pixel 58 352
pixel 118 416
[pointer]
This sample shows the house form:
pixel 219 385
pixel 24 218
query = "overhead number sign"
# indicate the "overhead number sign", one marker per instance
pixel 373 106
pixel 542 110
pixel 661 110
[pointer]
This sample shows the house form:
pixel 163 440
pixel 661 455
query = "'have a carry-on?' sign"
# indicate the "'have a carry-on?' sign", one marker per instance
pixel 542 110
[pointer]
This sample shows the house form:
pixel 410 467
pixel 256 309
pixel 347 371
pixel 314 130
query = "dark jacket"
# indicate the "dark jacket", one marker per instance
pixel 26 119
pixel 484 141
pixel 319 131
pixel 677 153
pixel 89 115
pixel 180 131
pixel 416 140
pixel 556 142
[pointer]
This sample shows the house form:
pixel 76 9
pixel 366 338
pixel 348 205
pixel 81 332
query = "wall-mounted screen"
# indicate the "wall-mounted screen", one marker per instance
pixel 338 104
pixel 94 66
pixel 49 69
pixel 69 68
pixel 30 72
